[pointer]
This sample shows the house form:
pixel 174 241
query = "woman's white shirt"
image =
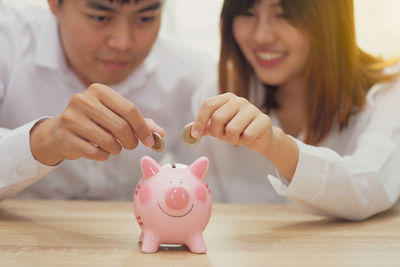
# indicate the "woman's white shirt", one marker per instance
pixel 352 174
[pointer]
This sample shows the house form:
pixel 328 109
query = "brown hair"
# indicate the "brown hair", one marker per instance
pixel 341 72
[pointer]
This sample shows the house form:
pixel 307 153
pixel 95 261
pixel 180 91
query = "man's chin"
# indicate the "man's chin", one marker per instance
pixel 110 79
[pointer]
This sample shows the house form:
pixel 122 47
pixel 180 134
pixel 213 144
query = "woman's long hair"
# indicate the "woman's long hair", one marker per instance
pixel 339 72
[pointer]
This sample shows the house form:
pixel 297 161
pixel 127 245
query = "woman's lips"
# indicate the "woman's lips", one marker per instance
pixel 269 59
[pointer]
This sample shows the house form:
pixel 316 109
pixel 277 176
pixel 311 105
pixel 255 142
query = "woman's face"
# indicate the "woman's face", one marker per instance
pixel 276 50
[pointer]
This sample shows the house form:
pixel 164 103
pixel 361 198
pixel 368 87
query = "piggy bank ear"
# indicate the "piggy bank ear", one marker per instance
pixel 199 167
pixel 149 167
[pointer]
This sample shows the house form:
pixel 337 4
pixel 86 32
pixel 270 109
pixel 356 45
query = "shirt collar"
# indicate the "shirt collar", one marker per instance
pixel 49 52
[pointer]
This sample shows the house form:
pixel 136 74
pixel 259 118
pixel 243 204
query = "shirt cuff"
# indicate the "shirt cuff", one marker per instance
pixel 309 176
pixel 18 163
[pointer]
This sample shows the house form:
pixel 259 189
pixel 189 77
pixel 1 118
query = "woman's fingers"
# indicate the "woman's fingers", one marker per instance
pixel 234 120
pixel 208 107
pixel 257 134
pixel 236 127
pixel 221 117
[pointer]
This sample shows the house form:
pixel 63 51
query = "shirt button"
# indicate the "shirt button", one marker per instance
pixel 20 171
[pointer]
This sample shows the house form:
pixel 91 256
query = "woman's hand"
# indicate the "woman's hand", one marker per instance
pixel 235 120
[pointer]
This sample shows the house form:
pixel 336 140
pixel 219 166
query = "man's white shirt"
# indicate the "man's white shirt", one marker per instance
pixel 35 82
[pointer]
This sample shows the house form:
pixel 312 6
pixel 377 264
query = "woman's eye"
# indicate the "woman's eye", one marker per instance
pixel 282 15
pixel 247 14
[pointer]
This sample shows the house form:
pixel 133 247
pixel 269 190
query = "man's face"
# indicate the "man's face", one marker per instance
pixel 105 41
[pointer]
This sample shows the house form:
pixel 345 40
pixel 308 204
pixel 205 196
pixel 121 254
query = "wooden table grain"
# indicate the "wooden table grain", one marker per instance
pixel 84 233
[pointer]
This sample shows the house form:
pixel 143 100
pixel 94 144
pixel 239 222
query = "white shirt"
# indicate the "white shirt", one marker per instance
pixel 36 82
pixel 352 174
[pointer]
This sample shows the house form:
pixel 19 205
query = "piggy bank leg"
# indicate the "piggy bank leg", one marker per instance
pixel 141 237
pixel 196 243
pixel 150 242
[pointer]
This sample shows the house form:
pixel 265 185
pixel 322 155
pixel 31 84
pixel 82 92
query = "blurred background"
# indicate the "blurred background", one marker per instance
pixel 195 22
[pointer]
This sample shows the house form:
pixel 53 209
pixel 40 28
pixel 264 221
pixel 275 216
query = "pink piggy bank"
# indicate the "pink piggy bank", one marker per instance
pixel 172 204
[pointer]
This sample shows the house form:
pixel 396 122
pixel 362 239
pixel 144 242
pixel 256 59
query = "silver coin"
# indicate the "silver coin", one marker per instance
pixel 158 142
pixel 187 138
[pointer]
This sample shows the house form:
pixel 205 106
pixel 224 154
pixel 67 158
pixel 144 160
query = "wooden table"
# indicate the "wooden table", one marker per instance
pixel 73 233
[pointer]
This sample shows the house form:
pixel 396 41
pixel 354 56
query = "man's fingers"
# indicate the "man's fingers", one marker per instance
pixel 98 136
pixel 74 147
pixel 154 127
pixel 115 125
pixel 126 110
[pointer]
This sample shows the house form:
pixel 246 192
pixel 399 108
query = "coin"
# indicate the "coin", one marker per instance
pixel 187 138
pixel 158 142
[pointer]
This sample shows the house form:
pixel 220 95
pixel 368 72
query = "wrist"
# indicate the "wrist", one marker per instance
pixel 41 143
pixel 283 152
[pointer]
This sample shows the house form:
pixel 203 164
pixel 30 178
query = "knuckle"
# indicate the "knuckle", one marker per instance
pixel 142 131
pixel 242 100
pixel 77 98
pixel 132 110
pixel 216 132
pixel 95 87
pixel 230 95
pixel 66 118
pixel 125 129
pixel 72 157
pixel 109 142
pixel 266 119
pixel 102 155
pixel 134 144
pixel 207 104
pixel 232 130
pixel 248 138
pixel 216 118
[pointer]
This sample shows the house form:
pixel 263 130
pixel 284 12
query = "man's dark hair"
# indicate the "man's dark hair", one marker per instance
pixel 119 1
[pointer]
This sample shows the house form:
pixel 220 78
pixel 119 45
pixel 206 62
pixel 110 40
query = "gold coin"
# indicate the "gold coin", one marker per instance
pixel 158 143
pixel 187 138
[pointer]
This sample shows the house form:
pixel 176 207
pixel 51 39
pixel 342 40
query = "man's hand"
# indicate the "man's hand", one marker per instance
pixel 95 124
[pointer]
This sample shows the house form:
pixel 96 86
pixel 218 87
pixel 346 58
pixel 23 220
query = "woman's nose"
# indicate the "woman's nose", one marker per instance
pixel 263 33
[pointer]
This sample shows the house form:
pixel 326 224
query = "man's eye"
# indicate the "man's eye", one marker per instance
pixel 99 18
pixel 146 19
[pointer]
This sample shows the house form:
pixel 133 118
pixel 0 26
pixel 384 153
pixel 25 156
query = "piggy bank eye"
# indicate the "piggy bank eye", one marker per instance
pixel 180 182
pixel 170 182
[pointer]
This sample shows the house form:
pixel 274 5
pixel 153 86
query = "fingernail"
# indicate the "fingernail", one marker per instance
pixel 149 141
pixel 187 137
pixel 195 133
pixel 158 145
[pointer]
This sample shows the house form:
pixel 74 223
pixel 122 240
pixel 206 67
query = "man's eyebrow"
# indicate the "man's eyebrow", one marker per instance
pixel 99 6
pixel 151 7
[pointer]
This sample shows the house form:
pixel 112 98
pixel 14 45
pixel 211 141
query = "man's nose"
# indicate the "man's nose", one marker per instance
pixel 121 36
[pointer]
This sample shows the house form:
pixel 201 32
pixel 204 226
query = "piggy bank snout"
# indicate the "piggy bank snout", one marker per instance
pixel 177 198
